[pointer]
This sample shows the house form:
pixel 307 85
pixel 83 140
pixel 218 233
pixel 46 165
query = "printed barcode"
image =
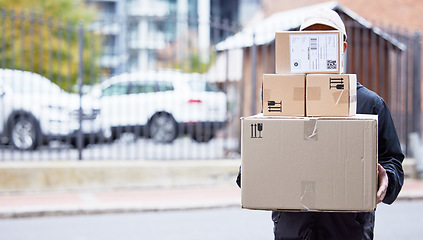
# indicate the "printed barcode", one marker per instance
pixel 331 64
pixel 313 43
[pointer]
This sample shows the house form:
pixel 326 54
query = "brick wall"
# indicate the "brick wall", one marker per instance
pixel 398 13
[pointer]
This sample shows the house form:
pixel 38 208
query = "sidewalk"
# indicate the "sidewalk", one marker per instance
pixel 136 200
pixel 412 189
pixel 117 201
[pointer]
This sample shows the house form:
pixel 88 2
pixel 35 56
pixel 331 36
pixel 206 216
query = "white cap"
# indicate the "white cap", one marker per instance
pixel 324 16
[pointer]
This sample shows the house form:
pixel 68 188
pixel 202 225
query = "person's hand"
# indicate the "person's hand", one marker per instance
pixel 383 183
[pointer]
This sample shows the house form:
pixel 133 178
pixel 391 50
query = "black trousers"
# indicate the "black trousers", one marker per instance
pixel 322 225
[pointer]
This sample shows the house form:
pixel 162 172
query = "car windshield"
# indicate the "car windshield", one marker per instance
pixel 201 86
pixel 116 89
pixel 28 83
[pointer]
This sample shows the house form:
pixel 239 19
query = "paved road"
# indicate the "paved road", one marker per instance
pixel 228 223
pixel 402 220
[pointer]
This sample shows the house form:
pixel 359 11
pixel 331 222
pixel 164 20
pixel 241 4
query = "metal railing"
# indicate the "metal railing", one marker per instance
pixel 82 59
pixel 388 61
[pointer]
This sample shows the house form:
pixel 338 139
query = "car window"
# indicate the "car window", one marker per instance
pixel 201 86
pixel 142 87
pixel 165 86
pixel 115 89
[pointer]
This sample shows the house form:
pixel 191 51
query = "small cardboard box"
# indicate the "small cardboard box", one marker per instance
pixel 308 52
pixel 309 164
pixel 331 95
pixel 284 95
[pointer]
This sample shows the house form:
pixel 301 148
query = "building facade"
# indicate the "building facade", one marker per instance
pixel 149 34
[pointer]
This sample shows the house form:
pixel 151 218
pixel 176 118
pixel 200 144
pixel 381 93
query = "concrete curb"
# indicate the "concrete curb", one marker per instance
pixel 24 177
pixel 108 209
pixel 410 197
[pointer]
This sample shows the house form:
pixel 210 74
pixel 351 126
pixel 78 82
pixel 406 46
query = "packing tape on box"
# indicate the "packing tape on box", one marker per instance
pixel 353 98
pixel 314 94
pixel 308 195
pixel 266 94
pixel 337 97
pixel 298 94
pixel 310 129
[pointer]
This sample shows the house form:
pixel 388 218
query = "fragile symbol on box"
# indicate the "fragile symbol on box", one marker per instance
pixel 273 106
pixel 256 130
pixel 337 83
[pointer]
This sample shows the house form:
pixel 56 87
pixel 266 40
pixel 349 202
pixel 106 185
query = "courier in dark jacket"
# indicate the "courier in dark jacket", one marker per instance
pixel 326 225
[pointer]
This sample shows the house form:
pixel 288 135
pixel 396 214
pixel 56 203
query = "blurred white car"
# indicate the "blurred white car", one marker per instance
pixel 34 111
pixel 161 105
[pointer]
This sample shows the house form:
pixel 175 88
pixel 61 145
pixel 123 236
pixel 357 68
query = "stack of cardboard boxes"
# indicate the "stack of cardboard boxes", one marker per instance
pixel 309 150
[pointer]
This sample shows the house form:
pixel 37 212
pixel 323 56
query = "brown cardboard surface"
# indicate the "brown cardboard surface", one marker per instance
pixel 309 164
pixel 308 52
pixel 331 95
pixel 284 95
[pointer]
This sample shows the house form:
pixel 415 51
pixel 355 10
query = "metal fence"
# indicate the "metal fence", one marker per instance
pixel 388 61
pixel 125 88
pixel 152 88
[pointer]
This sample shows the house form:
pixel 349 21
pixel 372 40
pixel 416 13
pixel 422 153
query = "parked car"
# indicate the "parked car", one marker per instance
pixel 161 105
pixel 35 111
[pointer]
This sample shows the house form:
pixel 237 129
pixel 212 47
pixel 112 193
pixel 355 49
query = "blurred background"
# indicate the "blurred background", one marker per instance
pixel 164 81
pixel 127 79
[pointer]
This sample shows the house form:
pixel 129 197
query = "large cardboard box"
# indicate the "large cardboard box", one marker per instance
pixel 308 52
pixel 284 95
pixel 309 164
pixel 331 95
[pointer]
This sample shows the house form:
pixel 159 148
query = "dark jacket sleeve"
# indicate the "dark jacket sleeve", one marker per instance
pixel 390 154
pixel 238 178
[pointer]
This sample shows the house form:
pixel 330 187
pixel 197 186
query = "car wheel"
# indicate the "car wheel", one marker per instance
pixel 107 135
pixel 203 137
pixel 24 133
pixel 163 128
pixel 74 143
pixel 128 137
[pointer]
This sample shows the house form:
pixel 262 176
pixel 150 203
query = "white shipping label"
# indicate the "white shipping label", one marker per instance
pixel 314 52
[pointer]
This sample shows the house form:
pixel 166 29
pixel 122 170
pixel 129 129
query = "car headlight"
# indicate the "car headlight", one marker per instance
pixel 54 112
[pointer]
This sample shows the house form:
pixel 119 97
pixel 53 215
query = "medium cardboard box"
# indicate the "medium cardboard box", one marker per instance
pixel 309 164
pixel 308 52
pixel 331 95
pixel 284 95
